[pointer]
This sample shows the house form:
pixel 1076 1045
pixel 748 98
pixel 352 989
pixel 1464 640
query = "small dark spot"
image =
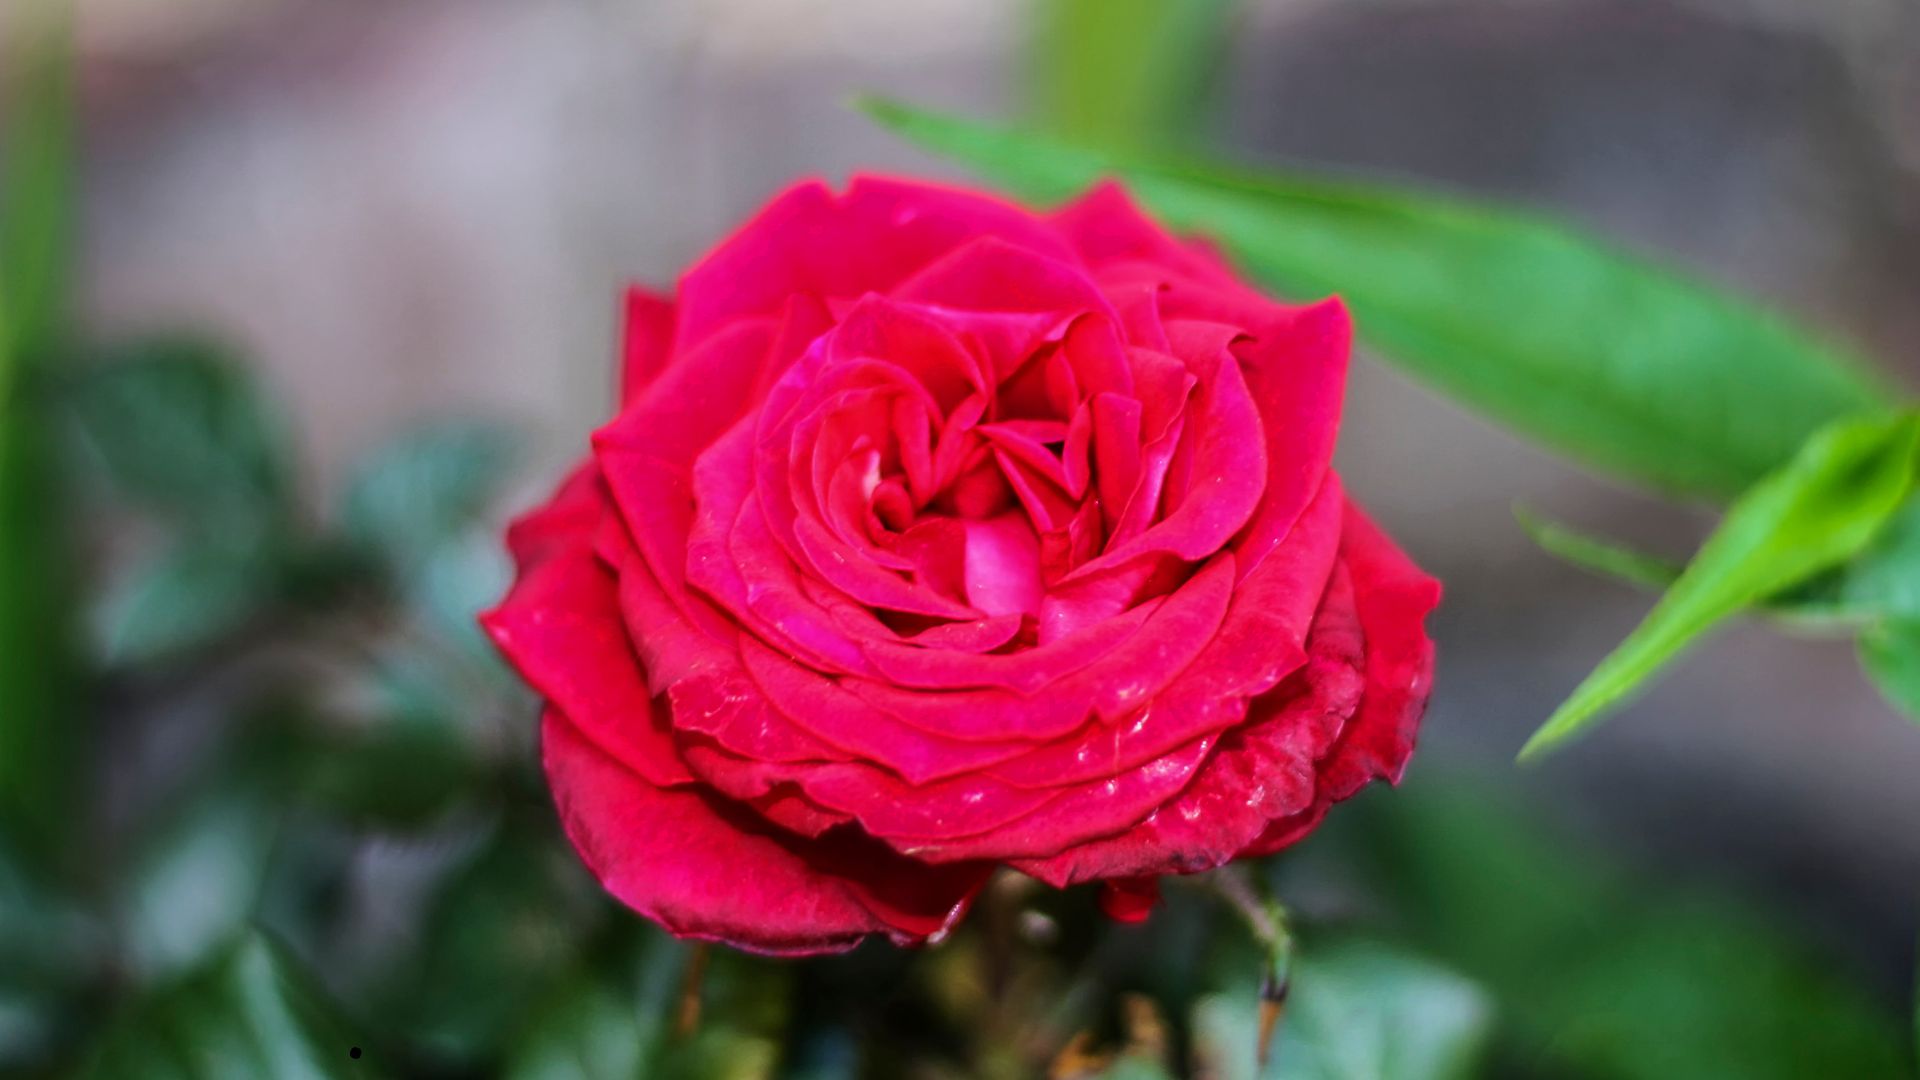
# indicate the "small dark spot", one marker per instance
pixel 354 1053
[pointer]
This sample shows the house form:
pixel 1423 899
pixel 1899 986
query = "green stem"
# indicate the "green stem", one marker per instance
pixel 1267 918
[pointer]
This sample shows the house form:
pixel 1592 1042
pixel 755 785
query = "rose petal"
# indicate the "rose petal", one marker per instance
pixel 646 340
pixel 708 870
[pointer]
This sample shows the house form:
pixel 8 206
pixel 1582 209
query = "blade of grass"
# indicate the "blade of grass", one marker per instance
pixel 38 729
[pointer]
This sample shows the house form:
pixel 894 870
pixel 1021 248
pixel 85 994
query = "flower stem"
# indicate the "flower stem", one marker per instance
pixel 1267 918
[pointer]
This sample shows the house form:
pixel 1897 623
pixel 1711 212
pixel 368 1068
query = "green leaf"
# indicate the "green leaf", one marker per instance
pixel 1125 72
pixel 415 494
pixel 178 426
pixel 36 229
pixel 449 588
pixel 193 886
pixel 1817 511
pixel 251 1014
pixel 41 721
pixel 1603 557
pixel 190 596
pixel 1884 582
pixel 1623 365
pixel 1890 655
pixel 1357 1012
pixel 51 949
pixel 403 770
pixel 1818 605
pixel 605 1026
pixel 503 931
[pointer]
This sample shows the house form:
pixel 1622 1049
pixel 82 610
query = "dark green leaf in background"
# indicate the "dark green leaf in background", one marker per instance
pixel 178 426
pixel 1621 364
pixel 608 1024
pixel 249 1015
pixel 1817 511
pixel 502 931
pixel 191 888
pixel 189 596
pixel 417 509
pixel 413 495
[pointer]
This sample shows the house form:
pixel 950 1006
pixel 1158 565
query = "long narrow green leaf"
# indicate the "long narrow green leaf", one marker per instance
pixel 1603 557
pixel 1816 512
pixel 1621 364
pixel 1818 606
pixel 38 728
pixel 1125 73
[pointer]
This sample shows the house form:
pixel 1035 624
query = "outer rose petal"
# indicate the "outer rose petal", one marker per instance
pixel 1393 598
pixel 646 341
pixel 705 869
pixel 809 240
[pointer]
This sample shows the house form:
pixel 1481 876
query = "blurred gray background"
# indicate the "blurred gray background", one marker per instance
pixel 413 207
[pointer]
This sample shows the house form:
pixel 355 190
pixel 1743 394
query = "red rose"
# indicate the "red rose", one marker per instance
pixel 934 535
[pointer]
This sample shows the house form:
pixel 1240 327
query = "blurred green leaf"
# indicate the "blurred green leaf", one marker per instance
pixel 178 426
pixel 1603 557
pixel 192 887
pixel 51 948
pixel 41 726
pixel 458 579
pixel 1597 973
pixel 249 1015
pixel 1890 655
pixel 194 594
pixel 1817 511
pixel 504 930
pixel 1124 73
pixel 1623 365
pixel 403 770
pixel 420 491
pixel 1821 604
pixel 1884 581
pixel 1357 1012
pixel 605 1025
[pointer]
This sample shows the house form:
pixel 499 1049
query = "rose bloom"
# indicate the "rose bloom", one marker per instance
pixel 934 536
